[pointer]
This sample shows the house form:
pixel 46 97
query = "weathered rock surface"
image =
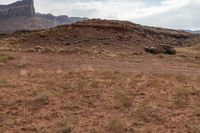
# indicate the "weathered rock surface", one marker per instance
pixel 17 9
pixel 21 15
pixel 161 49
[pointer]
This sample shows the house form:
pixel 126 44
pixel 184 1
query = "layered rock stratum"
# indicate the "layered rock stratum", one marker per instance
pixel 17 9
pixel 21 15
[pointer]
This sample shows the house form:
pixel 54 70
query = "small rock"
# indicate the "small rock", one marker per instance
pixel 67 43
pixel 39 48
pixel 31 50
pixel 62 50
pixel 23 72
pixel 42 49
pixel 1 64
pixel 137 53
pixel 77 42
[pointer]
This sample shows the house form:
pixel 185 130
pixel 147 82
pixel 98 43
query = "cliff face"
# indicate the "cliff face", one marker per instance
pixel 17 9
pixel 21 15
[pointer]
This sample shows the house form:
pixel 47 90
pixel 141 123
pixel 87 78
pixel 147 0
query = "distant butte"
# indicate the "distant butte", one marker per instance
pixel 17 9
pixel 21 15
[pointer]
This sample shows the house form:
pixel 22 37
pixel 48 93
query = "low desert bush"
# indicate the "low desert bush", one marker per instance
pixel 123 101
pixel 146 112
pixel 66 124
pixel 39 101
pixel 180 96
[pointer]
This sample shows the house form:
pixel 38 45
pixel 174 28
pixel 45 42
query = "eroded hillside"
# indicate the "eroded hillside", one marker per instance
pixel 113 35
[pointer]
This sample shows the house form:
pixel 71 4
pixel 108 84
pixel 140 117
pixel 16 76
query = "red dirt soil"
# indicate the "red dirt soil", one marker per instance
pixel 94 77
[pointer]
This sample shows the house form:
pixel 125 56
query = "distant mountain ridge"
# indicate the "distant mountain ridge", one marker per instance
pixel 193 31
pixel 21 15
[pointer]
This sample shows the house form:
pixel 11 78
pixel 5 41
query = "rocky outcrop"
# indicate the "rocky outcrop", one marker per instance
pixel 161 49
pixel 17 9
pixel 21 15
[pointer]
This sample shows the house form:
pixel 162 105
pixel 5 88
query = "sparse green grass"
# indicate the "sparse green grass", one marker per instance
pixel 5 58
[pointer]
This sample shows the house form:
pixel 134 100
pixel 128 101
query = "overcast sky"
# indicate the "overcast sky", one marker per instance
pixel 179 14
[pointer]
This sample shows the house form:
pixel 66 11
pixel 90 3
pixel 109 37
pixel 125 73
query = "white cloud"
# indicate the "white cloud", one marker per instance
pixel 184 17
pixel 166 13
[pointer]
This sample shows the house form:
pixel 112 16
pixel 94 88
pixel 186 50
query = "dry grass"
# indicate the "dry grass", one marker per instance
pixel 4 83
pixel 66 124
pixel 83 87
pixel 197 111
pixel 180 98
pixel 66 85
pixel 93 97
pixel 116 125
pixel 145 111
pixel 39 101
pixel 196 129
pixel 23 65
pixel 123 101
pixel 194 50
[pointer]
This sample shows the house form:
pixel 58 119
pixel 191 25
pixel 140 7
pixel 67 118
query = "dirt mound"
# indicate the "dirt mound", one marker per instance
pixel 111 35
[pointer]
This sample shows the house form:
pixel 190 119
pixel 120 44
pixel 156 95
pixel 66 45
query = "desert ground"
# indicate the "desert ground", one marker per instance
pixel 95 77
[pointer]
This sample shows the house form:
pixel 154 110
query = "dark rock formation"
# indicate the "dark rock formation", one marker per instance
pixel 17 9
pixel 161 49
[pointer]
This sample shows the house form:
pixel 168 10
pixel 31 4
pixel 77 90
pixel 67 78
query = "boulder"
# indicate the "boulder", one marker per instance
pixel 161 49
